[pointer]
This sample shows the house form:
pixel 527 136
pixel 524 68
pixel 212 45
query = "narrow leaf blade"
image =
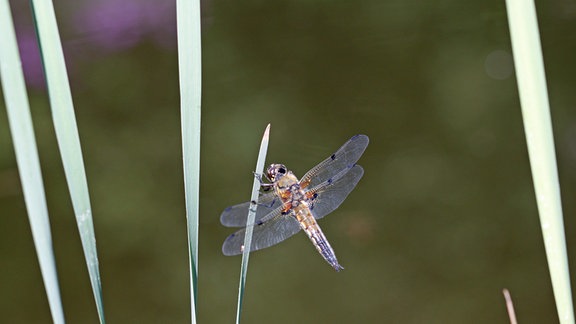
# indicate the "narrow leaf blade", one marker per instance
pixel 20 121
pixel 251 215
pixel 190 71
pixel 538 127
pixel 67 136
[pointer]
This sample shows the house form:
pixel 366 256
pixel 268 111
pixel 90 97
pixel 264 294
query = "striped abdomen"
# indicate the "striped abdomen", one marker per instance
pixel 312 229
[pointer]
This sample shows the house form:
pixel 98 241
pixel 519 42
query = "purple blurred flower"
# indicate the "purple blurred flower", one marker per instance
pixel 115 25
pixel 107 25
pixel 30 57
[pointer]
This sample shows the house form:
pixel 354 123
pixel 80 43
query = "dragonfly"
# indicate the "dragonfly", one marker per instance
pixel 293 204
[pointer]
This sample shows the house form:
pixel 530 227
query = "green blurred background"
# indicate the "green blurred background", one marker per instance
pixel 444 218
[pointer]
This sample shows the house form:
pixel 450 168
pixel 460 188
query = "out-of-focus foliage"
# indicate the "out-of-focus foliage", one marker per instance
pixel 444 218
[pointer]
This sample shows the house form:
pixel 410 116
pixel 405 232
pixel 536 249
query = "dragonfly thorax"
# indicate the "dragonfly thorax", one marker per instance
pixel 285 184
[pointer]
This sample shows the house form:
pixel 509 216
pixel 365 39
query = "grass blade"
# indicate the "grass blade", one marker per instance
pixel 509 306
pixel 67 136
pixel 22 131
pixel 190 70
pixel 250 220
pixel 538 127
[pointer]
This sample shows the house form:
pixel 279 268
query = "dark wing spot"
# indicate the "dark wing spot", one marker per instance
pixel 330 180
pixel 231 236
pixel 259 223
pixel 315 196
pixel 253 202
pixel 333 156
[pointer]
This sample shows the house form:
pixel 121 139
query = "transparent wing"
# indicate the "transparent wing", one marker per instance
pixel 265 234
pixel 344 158
pixel 332 192
pixel 236 216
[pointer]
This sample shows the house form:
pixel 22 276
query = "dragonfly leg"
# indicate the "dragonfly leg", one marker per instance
pixel 265 186
pixel 257 176
pixel 265 205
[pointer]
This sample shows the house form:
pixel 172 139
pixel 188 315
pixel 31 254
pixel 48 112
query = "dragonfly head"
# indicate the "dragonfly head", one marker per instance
pixel 275 172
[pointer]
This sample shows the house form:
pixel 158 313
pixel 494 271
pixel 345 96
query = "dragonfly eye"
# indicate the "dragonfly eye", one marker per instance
pixel 276 171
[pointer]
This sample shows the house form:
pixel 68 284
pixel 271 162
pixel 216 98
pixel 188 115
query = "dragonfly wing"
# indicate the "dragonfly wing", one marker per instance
pixel 265 234
pixel 332 192
pixel 236 216
pixel 344 158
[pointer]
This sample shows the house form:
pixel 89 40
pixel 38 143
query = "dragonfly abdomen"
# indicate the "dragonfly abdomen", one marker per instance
pixel 314 232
